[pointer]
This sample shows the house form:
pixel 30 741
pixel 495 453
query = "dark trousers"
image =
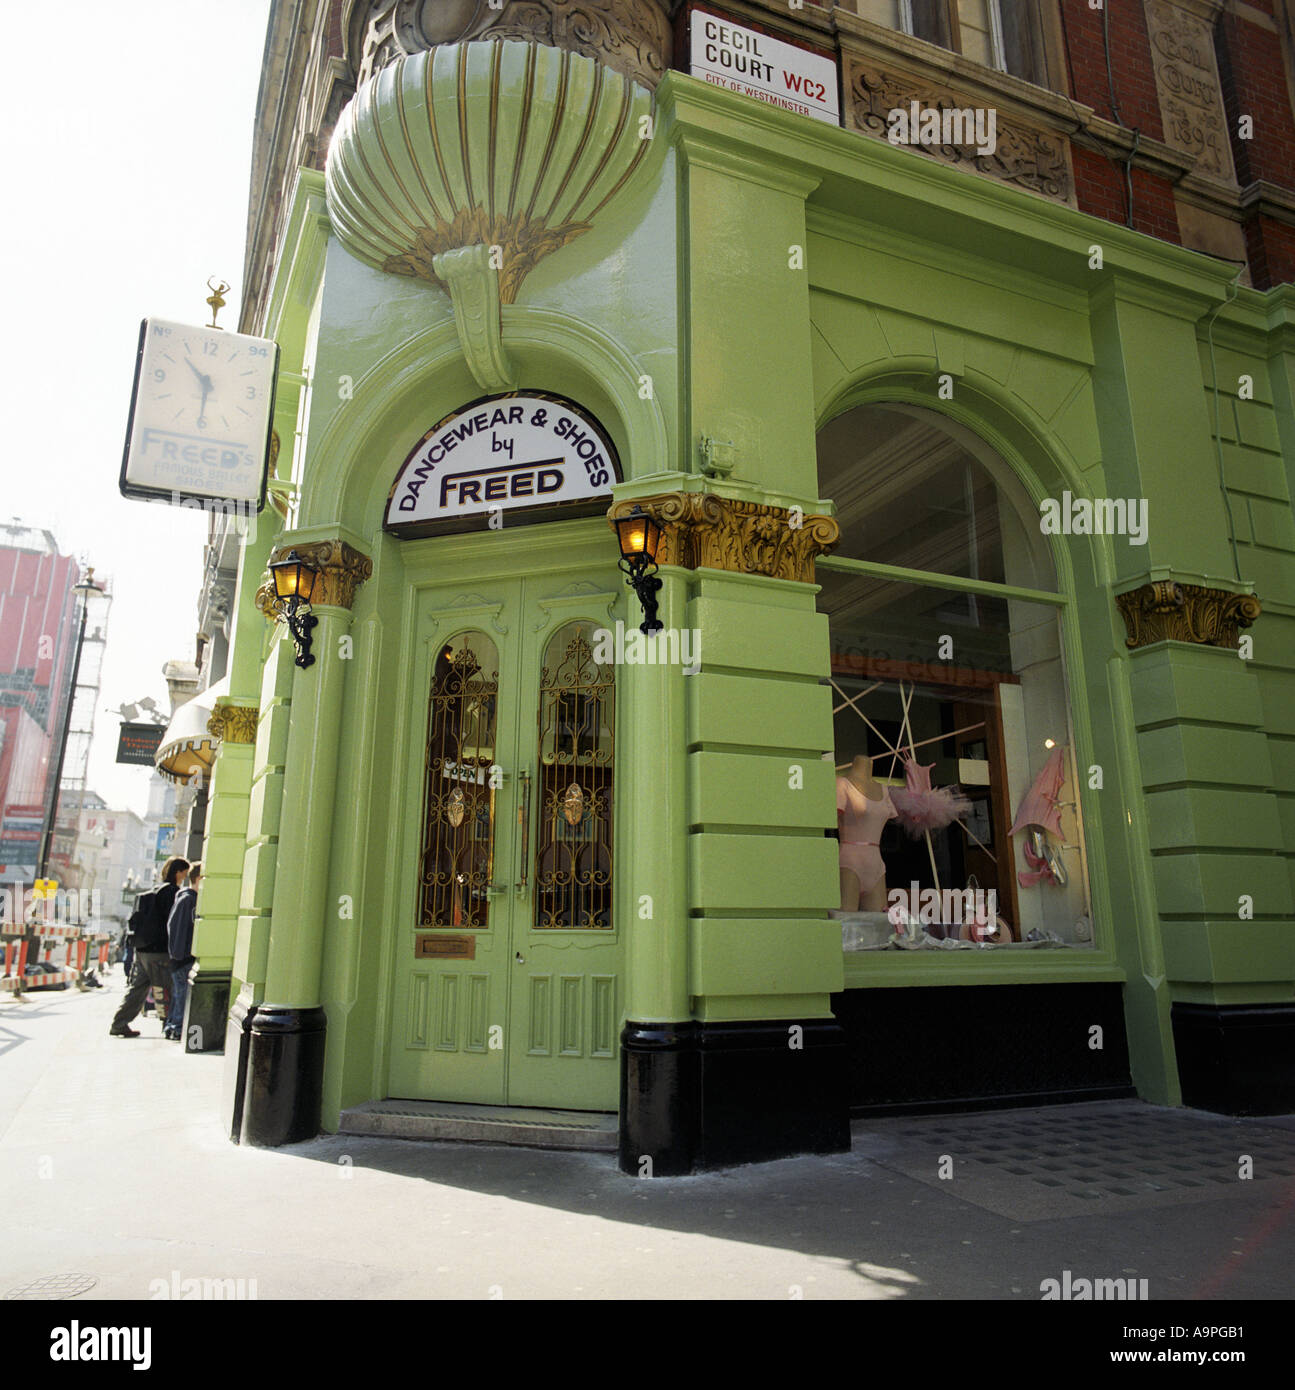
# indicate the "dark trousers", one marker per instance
pixel 150 968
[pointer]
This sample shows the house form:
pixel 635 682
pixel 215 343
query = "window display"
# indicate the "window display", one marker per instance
pixel 958 814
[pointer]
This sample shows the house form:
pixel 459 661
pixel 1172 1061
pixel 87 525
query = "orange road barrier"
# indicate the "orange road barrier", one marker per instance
pixel 15 955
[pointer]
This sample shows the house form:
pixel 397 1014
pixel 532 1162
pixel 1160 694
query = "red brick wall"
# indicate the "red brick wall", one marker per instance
pixel 1135 84
pixel 1254 84
pixel 1100 190
pixel 1270 245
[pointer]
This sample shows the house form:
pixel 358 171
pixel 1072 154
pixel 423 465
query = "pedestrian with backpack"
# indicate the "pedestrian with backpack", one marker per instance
pixel 152 951
pixel 179 931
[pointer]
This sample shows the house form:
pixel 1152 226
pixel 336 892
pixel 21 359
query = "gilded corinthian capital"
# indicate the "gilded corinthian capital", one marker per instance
pixel 701 530
pixel 234 723
pixel 342 569
pixel 1166 611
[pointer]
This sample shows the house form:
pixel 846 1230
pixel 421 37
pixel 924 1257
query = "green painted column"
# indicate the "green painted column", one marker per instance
pixel 653 798
pixel 1154 420
pixel 305 832
pixel 284 1079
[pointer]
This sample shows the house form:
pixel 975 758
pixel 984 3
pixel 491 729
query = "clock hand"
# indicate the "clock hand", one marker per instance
pixel 196 372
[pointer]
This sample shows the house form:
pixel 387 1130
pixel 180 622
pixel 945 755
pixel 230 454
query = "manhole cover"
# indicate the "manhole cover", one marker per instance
pixel 55 1286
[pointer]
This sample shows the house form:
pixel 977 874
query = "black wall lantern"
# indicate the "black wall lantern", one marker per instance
pixel 294 583
pixel 640 536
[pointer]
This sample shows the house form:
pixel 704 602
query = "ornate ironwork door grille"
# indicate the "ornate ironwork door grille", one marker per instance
pixel 459 815
pixel 577 735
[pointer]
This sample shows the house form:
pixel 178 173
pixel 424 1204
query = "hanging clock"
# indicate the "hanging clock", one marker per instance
pixel 201 414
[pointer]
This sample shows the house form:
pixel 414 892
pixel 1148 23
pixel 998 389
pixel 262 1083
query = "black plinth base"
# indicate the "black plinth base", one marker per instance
pixel 238 1037
pixel 1236 1059
pixel 965 1047
pixel 285 1076
pixel 697 1096
pixel 658 1136
pixel 206 1011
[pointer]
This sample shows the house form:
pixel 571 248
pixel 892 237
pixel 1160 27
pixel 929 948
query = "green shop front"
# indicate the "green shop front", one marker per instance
pixel 489 848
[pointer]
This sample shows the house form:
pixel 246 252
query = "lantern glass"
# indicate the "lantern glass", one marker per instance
pixel 293 578
pixel 632 532
pixel 639 535
pixel 306 576
pixel 652 538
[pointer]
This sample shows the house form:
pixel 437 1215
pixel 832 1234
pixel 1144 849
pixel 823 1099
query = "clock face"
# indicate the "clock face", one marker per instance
pixel 200 415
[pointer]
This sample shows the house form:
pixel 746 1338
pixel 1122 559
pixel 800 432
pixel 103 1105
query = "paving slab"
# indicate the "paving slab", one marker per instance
pixel 1120 1189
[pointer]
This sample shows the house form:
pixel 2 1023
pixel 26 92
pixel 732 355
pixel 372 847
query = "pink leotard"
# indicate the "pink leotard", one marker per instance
pixel 859 820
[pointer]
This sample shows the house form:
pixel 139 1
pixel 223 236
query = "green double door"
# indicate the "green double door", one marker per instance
pixel 507 986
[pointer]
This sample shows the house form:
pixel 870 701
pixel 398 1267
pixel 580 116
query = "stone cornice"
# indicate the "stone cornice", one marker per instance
pixel 895 183
pixel 1207 11
pixel 1269 200
pixel 864 38
pixel 703 530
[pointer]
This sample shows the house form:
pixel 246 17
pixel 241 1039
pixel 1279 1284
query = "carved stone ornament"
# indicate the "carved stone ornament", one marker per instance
pixel 1187 84
pixel 234 723
pixel 342 570
pixel 631 36
pixel 1024 157
pixel 700 530
pixel 510 146
pixel 1165 611
pixel 474 293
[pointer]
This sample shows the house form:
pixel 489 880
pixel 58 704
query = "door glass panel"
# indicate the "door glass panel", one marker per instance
pixel 577 728
pixel 459 814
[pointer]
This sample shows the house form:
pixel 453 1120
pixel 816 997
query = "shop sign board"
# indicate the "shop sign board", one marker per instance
pixel 757 65
pixel 138 743
pixel 533 454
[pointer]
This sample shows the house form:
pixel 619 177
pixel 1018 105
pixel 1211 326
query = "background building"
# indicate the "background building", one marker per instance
pixel 45 690
pixel 37 639
pixel 850 378
pixel 120 861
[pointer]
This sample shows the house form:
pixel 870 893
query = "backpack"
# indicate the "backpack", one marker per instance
pixel 142 929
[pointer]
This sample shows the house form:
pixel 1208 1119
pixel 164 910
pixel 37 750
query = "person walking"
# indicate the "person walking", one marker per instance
pixel 179 933
pixel 152 955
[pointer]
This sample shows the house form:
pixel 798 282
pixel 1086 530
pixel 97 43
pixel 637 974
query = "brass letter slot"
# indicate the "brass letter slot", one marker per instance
pixel 454 947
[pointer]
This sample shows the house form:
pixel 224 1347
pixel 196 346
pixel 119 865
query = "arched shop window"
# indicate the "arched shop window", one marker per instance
pixel 947 671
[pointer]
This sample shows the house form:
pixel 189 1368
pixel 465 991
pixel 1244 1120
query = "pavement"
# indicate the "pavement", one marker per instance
pixel 982 1206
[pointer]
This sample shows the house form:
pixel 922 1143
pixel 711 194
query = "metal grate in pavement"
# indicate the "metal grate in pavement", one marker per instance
pixel 1107 1156
pixel 54 1286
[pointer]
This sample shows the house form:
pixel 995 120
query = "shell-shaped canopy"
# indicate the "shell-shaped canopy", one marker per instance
pixel 513 145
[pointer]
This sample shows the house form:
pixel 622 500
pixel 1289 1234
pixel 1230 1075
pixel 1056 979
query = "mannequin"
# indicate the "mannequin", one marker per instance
pixel 863 806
